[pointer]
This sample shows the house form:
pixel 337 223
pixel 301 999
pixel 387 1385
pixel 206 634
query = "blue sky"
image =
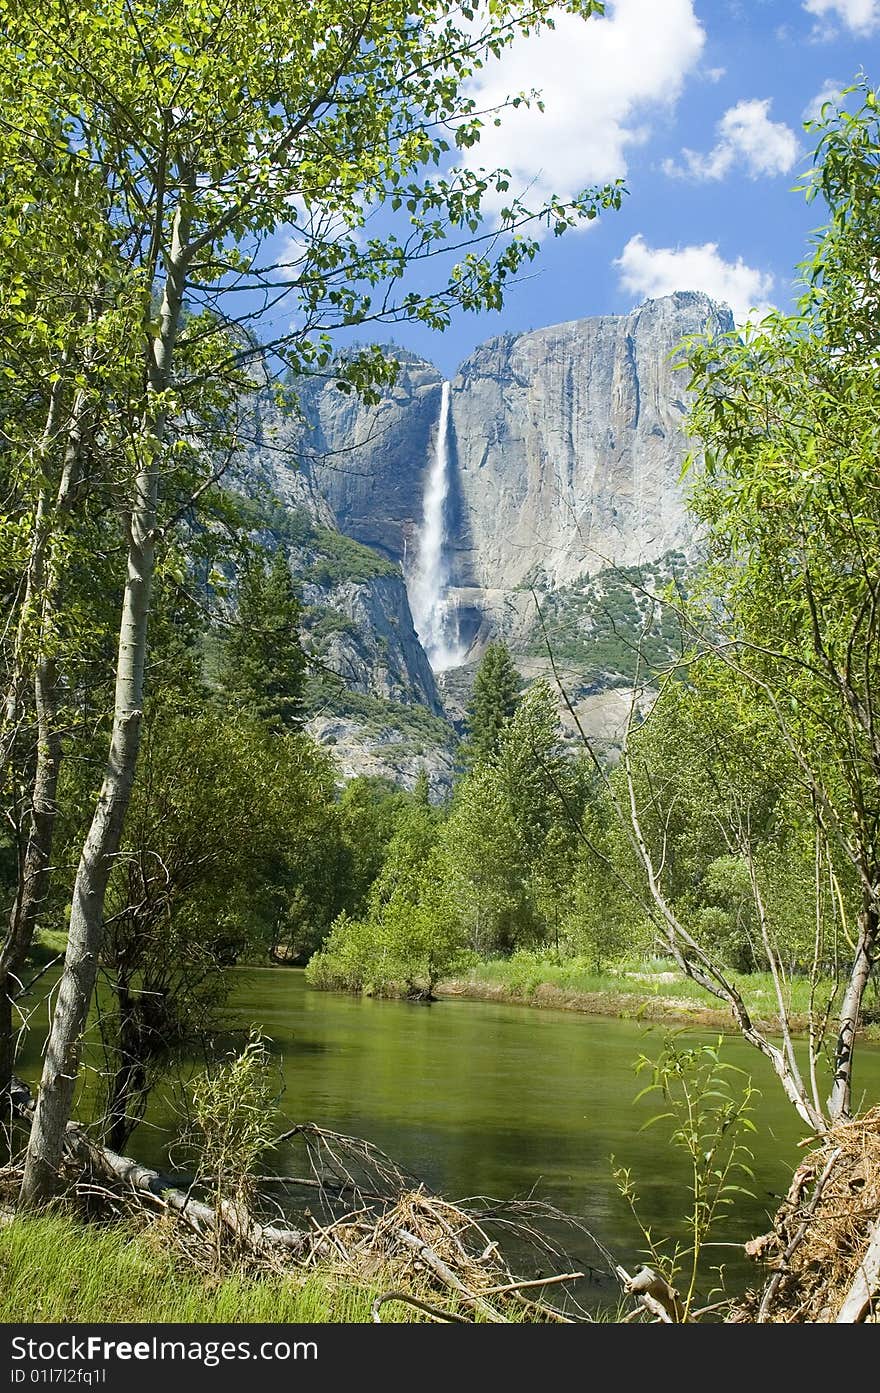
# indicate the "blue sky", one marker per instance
pixel 699 105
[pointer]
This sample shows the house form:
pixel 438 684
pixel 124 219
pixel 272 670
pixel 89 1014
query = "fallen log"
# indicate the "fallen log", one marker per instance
pixel 409 1237
pixel 865 1290
pixel 151 1185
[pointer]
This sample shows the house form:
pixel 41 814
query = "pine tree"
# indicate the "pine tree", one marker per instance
pixel 262 666
pixel 494 700
pixel 422 788
pixel 537 776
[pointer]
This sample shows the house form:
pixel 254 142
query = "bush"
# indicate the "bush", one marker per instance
pixel 406 953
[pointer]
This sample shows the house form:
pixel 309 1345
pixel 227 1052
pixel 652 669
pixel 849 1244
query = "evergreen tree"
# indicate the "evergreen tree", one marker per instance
pixel 510 840
pixel 262 666
pixel 422 789
pixel 494 700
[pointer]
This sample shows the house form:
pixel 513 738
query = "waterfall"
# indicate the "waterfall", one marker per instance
pixel 435 617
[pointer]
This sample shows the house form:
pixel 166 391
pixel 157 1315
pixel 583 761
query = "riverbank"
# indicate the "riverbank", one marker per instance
pixel 647 990
pixel 621 1005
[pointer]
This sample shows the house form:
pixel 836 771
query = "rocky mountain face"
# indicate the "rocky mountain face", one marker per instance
pixel 564 447
pixel 569 444
pixel 363 632
pixel 371 691
pixel 369 462
pixel 357 615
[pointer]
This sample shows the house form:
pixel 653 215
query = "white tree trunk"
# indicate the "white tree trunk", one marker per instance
pixel 840 1098
pixel 58 1082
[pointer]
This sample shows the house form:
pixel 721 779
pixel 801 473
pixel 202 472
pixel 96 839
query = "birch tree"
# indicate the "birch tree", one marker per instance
pixel 784 672
pixel 791 427
pixel 214 125
pixel 64 321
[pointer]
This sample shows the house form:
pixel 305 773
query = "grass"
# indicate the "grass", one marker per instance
pixel 55 1268
pixel 522 977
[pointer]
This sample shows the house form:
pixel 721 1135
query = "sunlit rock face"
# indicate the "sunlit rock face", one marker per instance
pixel 565 447
pixel 371 462
pixel 569 445
pixel 358 625
pixel 549 457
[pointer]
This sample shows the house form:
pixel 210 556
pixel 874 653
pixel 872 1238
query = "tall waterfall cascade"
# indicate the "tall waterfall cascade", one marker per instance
pixel 434 614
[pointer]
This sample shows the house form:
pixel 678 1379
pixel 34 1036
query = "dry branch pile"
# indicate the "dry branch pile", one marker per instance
pixel 424 1248
pixel 378 1228
pixel 824 1247
pixel 358 1217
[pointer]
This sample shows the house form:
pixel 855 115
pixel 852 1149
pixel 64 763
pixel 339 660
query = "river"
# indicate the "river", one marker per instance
pixel 502 1100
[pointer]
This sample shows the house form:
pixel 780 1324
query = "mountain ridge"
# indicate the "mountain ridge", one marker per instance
pixel 565 448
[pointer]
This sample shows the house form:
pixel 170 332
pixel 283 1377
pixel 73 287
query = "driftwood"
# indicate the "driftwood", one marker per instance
pixel 162 1190
pixel 427 1255
pixel 865 1290
pixel 536 1282
pixel 435 1312
pixel 654 1293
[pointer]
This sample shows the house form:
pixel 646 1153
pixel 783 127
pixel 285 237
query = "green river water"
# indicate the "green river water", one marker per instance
pixel 480 1098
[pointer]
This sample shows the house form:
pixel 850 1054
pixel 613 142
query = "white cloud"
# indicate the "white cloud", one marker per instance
pixel 861 16
pixel 598 79
pixel 715 74
pixel 648 272
pixel 830 91
pixel 746 136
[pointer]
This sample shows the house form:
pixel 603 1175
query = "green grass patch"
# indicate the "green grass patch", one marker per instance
pixel 524 973
pixel 56 1268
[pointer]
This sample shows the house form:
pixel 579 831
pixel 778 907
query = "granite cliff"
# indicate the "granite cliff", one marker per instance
pixel 357 616
pixel 371 693
pixel 564 447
